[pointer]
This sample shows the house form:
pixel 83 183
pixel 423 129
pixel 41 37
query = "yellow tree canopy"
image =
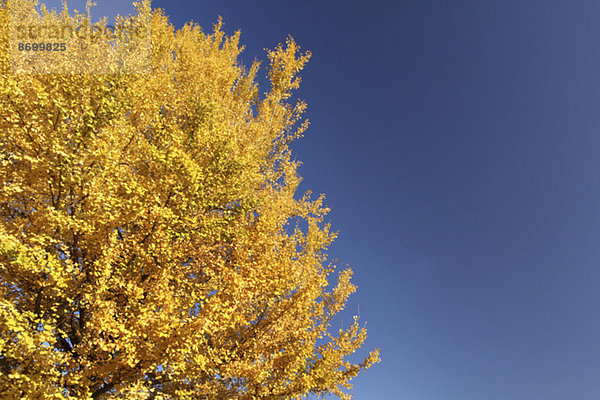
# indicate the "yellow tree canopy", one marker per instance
pixel 151 243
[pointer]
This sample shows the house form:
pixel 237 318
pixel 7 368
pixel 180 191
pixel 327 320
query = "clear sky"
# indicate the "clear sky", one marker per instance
pixel 458 144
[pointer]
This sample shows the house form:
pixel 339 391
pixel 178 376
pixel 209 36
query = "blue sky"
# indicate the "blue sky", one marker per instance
pixel 457 143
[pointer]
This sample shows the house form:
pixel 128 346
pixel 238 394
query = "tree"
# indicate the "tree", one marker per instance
pixel 152 245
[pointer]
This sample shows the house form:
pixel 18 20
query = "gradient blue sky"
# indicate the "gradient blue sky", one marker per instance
pixel 458 144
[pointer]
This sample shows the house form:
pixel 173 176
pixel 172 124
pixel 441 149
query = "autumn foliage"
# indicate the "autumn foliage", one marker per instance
pixel 152 243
